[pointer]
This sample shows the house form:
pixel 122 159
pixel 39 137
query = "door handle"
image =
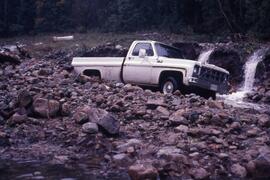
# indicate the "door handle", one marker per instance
pixel 159 61
pixel 131 58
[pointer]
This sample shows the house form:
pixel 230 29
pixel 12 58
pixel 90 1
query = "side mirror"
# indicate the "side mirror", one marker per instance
pixel 142 53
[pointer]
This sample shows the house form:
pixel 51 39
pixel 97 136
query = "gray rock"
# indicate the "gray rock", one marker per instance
pixel 109 124
pixel 90 128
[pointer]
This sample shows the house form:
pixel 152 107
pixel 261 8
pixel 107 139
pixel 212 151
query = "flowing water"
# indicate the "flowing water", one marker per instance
pixel 204 56
pixel 236 99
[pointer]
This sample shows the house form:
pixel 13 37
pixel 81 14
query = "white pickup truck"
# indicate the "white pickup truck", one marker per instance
pixel 151 63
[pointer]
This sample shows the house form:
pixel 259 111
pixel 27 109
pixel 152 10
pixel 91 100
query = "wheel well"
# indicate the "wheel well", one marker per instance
pixel 90 72
pixel 176 74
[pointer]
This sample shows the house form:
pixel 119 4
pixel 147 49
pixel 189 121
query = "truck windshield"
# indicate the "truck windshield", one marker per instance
pixel 168 51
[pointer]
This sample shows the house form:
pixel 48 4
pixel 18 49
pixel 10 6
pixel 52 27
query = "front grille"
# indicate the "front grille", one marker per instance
pixel 212 75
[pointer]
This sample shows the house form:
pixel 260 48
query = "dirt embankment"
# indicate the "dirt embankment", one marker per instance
pixel 48 113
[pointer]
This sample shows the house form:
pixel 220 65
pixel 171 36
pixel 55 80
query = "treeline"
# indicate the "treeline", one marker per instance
pixel 178 16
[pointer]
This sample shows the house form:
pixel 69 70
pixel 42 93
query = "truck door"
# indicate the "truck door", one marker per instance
pixel 138 70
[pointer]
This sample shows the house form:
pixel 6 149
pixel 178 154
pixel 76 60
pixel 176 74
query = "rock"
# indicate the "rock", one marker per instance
pixel 129 143
pixel 46 108
pixel 122 160
pixel 81 117
pixel 199 173
pixel 182 128
pixel 141 172
pixel 215 104
pixel 239 170
pixel 90 128
pixel 154 103
pixel 65 109
pixel 109 124
pixel 169 152
pixel 259 168
pixel 163 110
pixel 17 119
pixel 24 98
pixel 264 120
pixel 253 132
pixel 4 139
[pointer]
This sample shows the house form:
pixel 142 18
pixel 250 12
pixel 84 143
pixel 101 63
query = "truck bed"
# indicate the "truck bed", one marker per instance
pixel 109 67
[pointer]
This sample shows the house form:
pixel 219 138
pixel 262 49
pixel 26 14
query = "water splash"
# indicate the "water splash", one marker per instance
pixel 204 56
pixel 236 99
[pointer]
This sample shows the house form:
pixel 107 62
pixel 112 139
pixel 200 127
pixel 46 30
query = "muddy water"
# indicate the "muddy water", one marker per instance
pixel 37 170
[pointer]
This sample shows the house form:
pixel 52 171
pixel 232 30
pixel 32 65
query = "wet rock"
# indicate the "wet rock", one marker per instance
pixel 239 170
pixel 110 124
pixel 141 171
pixel 90 128
pixel 46 108
pixel 199 173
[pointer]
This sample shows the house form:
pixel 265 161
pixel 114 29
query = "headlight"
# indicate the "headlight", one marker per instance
pixel 196 69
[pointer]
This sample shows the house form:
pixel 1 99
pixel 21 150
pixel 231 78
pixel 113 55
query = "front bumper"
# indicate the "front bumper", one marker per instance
pixel 221 88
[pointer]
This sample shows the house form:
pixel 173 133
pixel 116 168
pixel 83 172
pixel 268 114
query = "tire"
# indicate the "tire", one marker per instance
pixel 169 85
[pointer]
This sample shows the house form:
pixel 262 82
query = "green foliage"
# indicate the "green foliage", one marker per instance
pixel 179 16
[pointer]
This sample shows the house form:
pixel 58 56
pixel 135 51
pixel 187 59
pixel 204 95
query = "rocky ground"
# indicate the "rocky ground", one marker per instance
pixel 50 114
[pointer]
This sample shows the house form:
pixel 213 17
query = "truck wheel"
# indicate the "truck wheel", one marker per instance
pixel 169 85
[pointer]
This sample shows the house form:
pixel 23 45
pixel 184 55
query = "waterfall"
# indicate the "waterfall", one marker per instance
pixel 204 56
pixel 236 99
pixel 250 69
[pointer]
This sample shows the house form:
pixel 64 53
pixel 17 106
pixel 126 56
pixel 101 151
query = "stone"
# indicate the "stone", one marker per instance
pixel 239 170
pixel 264 120
pixel 81 117
pixel 90 128
pixel 24 98
pixel 199 173
pixel 65 109
pixel 163 110
pixel 129 143
pixel 46 108
pixel 4 139
pixel 18 119
pixel 182 128
pixel 122 160
pixel 253 132
pixel 110 124
pixel 259 167
pixel 154 103
pixel 141 172
pixel 168 152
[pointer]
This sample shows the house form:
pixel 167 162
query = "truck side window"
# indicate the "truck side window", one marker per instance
pixel 146 46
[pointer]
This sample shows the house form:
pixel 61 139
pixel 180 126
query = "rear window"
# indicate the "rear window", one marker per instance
pixel 168 51
pixel 146 46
